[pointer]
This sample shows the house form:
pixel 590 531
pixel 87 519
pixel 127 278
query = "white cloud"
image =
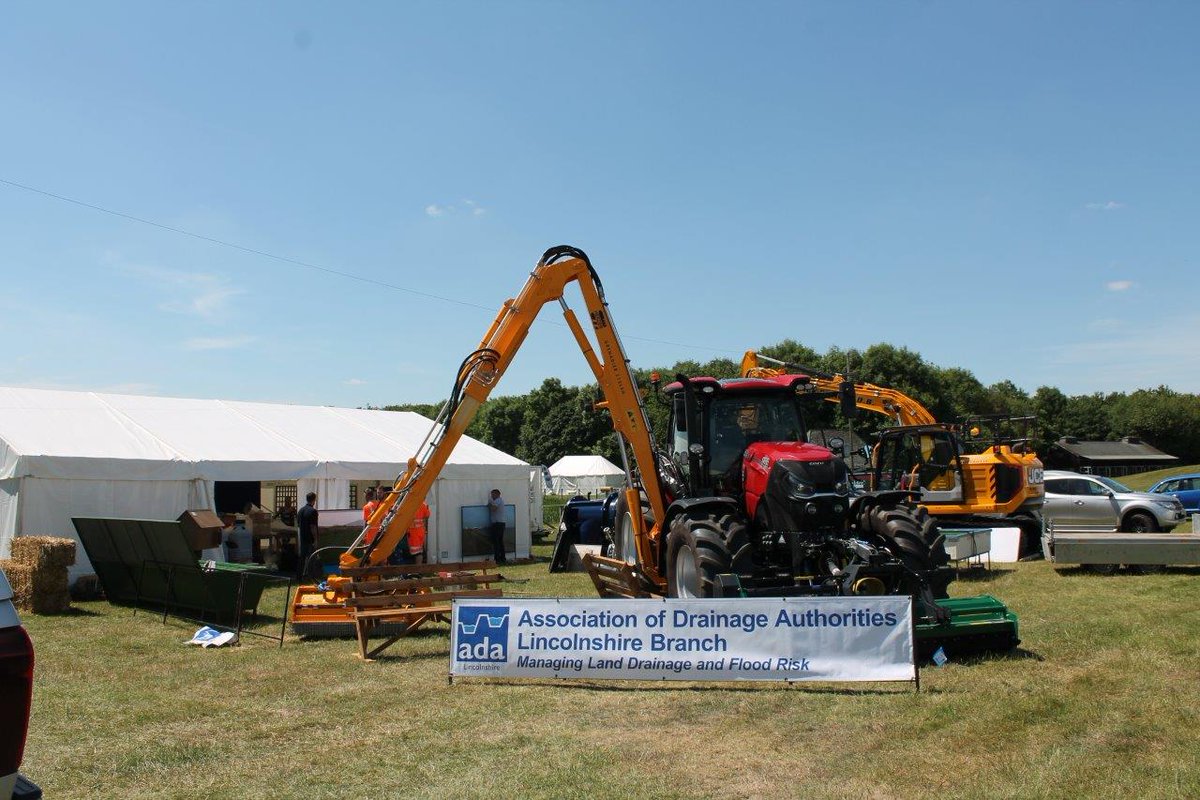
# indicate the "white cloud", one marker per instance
pixel 466 206
pixel 216 342
pixel 1111 205
pixel 198 294
pixel 355 382
pixel 1119 286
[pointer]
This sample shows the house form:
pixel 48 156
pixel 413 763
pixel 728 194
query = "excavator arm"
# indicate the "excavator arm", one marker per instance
pixel 481 371
pixel 900 407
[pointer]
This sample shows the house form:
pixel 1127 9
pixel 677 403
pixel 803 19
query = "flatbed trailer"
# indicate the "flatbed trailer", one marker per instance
pixel 1064 546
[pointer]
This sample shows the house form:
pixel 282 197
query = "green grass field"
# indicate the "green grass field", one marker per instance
pixel 1101 700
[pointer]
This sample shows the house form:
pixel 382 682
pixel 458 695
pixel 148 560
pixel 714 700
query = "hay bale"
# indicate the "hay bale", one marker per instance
pixel 44 552
pixel 41 591
pixel 20 578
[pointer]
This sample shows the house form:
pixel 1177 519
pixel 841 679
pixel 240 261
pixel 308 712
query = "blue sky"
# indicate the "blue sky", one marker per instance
pixel 1007 187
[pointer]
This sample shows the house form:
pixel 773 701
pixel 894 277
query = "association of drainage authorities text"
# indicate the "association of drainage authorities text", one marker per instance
pixel 828 639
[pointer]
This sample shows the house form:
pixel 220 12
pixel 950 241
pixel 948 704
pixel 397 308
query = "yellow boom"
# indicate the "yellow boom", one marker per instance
pixel 558 268
pixel 880 399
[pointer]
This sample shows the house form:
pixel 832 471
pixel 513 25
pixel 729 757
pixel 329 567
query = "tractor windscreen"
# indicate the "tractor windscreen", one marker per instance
pixel 736 422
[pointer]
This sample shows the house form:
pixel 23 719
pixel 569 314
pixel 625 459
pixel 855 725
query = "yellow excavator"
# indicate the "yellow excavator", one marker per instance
pixel 1001 481
pixel 736 503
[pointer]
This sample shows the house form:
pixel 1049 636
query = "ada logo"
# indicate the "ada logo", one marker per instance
pixel 483 633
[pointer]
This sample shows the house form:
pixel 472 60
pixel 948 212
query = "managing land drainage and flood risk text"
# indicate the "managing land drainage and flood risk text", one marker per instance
pixel 659 642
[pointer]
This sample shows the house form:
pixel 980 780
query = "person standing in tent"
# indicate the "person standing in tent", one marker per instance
pixel 416 534
pixel 306 519
pixel 373 498
pixel 496 515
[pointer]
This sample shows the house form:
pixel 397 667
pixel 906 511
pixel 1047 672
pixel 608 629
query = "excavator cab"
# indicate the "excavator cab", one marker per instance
pixel 922 458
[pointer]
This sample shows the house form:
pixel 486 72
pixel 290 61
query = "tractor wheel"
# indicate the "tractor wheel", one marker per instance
pixel 912 536
pixel 1140 522
pixel 624 547
pixel 701 547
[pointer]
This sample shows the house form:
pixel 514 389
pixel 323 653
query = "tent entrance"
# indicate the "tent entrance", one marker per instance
pixel 231 497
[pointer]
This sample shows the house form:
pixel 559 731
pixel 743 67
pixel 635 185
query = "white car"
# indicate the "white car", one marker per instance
pixel 1095 503
pixel 16 696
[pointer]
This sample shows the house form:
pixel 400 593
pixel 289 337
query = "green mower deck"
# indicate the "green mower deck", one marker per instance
pixel 977 624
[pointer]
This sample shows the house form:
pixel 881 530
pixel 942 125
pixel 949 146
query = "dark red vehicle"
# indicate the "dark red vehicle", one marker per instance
pixel 16 698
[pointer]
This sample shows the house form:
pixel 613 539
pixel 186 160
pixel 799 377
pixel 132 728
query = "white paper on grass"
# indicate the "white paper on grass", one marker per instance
pixel 211 637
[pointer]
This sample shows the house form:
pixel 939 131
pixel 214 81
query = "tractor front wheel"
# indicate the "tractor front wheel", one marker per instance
pixel 701 547
pixel 911 534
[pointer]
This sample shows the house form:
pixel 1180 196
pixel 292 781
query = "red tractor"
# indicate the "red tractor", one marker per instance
pixel 752 508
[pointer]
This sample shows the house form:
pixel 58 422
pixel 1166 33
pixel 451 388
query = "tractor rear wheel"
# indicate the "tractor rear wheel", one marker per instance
pixel 701 547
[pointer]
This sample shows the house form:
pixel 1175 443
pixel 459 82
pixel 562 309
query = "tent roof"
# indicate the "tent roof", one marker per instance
pixel 575 466
pixel 89 435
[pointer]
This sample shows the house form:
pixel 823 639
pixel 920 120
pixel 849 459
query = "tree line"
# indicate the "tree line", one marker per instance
pixel 554 420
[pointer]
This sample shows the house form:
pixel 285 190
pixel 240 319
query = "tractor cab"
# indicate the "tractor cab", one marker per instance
pixel 714 423
pixel 744 439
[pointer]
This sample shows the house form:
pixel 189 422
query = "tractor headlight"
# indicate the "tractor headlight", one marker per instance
pixel 842 487
pixel 798 488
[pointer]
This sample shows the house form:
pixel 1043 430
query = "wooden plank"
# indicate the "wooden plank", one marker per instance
pixel 419 569
pixel 388 613
pixel 427 599
pixel 409 584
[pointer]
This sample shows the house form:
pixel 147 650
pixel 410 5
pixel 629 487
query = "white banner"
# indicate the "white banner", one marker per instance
pixel 759 639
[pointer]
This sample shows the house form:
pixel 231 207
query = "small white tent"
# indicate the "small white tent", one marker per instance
pixel 69 454
pixel 587 475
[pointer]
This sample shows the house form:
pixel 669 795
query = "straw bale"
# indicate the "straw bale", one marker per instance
pixel 44 551
pixel 42 591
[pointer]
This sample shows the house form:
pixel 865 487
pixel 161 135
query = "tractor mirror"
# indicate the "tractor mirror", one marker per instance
pixel 846 397
pixel 837 445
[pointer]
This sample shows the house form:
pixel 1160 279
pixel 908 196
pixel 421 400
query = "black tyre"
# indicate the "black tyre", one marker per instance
pixel 911 535
pixel 624 548
pixel 700 547
pixel 1030 523
pixel 1139 522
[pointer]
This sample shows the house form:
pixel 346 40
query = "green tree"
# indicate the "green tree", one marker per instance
pixel 499 423
pixel 1005 397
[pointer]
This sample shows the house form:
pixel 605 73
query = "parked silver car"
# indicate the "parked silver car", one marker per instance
pixel 1096 503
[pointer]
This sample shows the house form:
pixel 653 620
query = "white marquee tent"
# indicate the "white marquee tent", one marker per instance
pixel 584 475
pixel 66 454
